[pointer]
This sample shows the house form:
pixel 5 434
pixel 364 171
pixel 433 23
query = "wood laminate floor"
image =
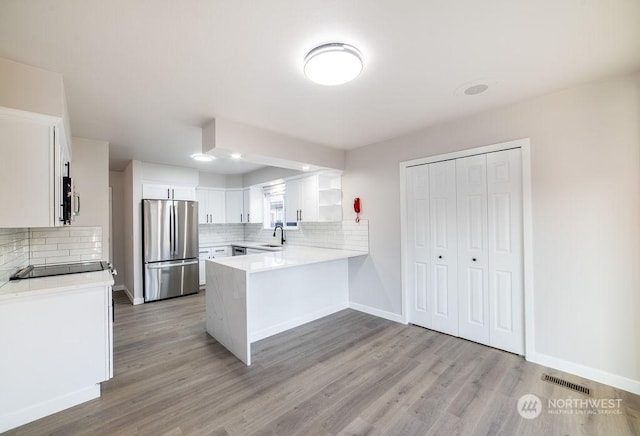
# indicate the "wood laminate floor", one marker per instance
pixel 347 374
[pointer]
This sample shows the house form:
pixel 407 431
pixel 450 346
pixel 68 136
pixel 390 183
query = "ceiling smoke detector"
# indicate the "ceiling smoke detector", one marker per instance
pixel 476 89
pixel 333 64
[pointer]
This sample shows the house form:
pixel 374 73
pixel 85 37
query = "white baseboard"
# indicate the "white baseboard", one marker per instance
pixel 587 372
pixel 377 312
pixel 279 328
pixel 46 408
pixel 134 301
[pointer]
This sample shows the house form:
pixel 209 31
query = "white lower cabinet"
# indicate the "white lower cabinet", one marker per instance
pixel 464 248
pixel 210 253
pixel 56 350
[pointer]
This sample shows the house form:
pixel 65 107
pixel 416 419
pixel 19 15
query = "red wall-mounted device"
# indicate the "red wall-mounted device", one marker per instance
pixel 356 208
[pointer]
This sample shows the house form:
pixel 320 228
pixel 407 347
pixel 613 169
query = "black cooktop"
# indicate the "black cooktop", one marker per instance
pixel 32 272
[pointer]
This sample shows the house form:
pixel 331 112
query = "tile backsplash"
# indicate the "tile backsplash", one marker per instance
pixel 344 235
pixel 14 251
pixel 214 234
pixel 64 244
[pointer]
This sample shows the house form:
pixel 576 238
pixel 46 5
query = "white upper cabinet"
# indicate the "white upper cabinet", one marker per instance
pixel 302 199
pixel 314 198
pixel 31 178
pixel 34 145
pixel 156 191
pixel 254 204
pixel 211 207
pixel 234 208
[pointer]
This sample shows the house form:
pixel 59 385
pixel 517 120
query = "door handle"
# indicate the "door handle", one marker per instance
pixel 439 257
pixel 171 265
pixel 300 214
pixel 248 219
pixel 175 244
pixel 474 259
pixel 240 217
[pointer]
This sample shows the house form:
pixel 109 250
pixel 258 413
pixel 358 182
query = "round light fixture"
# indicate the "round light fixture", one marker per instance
pixel 305 167
pixel 202 157
pixel 333 64
pixel 236 155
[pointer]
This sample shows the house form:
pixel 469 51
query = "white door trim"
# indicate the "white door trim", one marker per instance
pixel 527 219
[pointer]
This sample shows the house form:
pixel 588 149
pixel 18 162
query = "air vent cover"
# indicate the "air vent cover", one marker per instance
pixel 566 384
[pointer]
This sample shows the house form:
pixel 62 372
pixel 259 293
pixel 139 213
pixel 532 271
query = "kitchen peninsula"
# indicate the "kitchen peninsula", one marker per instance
pixel 252 297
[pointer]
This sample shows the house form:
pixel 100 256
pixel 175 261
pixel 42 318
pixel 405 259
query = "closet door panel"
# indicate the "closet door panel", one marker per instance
pixel 473 262
pixel 443 251
pixel 506 289
pixel 418 245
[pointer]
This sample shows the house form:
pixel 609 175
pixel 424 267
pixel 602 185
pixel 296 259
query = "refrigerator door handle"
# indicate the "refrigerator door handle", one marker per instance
pixel 170 265
pixel 175 243
pixel 171 229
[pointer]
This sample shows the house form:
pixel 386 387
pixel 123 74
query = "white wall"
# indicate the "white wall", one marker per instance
pixel 116 182
pixel 90 173
pixel 267 174
pixel 129 235
pixel 266 147
pixel 585 159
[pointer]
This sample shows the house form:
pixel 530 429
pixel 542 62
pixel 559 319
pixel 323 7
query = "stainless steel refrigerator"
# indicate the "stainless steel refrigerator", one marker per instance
pixel 170 248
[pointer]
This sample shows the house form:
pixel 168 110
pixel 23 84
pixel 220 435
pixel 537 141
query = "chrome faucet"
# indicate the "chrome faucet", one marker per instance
pixel 279 226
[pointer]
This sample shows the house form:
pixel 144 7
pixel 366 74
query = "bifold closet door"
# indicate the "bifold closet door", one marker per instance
pixel 443 289
pixel 473 259
pixel 506 287
pixel 417 274
pixel 464 270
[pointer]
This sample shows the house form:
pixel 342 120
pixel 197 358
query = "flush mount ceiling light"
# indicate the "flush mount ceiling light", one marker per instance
pixel 202 157
pixel 236 155
pixel 333 64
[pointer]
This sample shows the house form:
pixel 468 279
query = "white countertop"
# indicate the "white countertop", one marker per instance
pixel 48 285
pixel 291 256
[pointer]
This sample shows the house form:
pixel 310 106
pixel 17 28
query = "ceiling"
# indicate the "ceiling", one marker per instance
pixel 146 75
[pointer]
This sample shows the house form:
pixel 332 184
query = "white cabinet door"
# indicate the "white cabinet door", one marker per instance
pixel 473 261
pixel 220 251
pixel 302 199
pixel 234 209
pixel 183 193
pixel 203 255
pixel 309 199
pixel 442 287
pixel 418 250
pixel 153 191
pixel 68 349
pixel 292 200
pixel 202 197
pixel 216 206
pixel 211 207
pixel 256 204
pixel 160 191
pixel 246 205
pixel 506 287
pixel 28 174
